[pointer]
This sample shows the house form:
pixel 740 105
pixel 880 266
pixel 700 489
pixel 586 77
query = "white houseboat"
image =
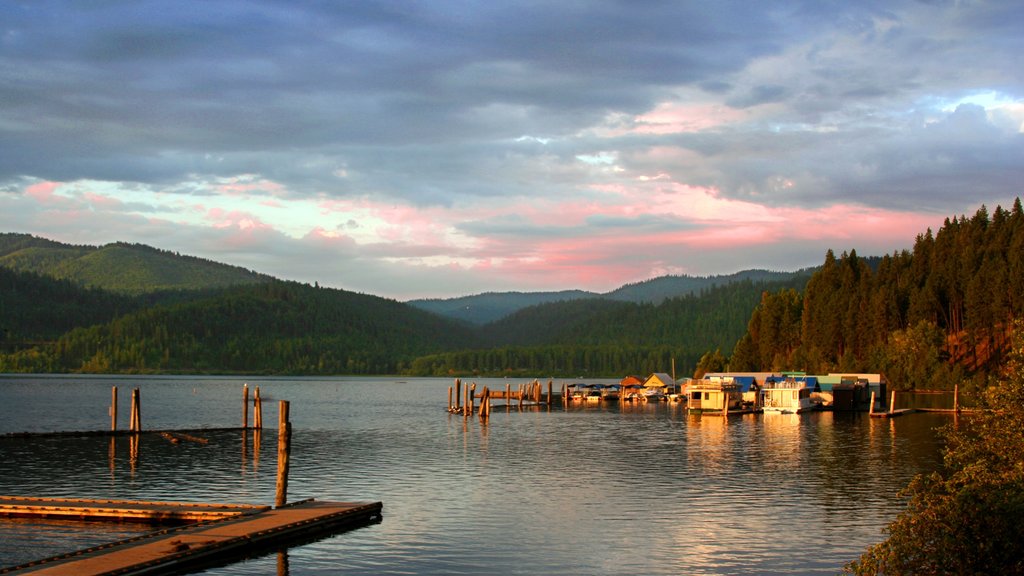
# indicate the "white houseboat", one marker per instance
pixel 789 395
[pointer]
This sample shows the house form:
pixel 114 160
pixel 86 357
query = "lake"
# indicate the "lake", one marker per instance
pixel 611 489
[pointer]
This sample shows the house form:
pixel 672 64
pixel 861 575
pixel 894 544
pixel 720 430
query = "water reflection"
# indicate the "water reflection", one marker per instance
pixel 604 489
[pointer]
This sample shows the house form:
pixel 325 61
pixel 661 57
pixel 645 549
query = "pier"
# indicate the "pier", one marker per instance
pixel 212 533
pixel 175 550
pixel 121 510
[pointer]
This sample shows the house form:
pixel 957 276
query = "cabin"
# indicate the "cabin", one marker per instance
pixel 714 394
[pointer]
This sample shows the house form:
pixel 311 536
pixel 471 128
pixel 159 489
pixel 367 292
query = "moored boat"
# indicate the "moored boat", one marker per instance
pixel 791 395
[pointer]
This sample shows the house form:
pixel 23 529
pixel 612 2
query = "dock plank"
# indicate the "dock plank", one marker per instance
pixel 174 550
pixel 120 510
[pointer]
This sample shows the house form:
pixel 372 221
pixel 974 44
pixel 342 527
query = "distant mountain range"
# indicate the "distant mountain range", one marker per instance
pixel 489 307
pixel 140 269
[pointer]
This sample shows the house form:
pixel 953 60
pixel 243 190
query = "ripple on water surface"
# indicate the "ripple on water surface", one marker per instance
pixel 605 490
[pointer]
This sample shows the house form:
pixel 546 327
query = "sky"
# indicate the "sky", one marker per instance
pixel 446 148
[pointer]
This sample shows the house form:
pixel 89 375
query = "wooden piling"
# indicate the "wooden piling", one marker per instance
pixel 892 402
pixel 135 424
pixel 956 398
pixel 284 447
pixel 871 406
pixel 113 409
pixel 245 406
pixel 458 392
pixel 551 398
pixel 449 398
pixel 485 403
pixel 257 410
pixel 521 391
pixel 472 398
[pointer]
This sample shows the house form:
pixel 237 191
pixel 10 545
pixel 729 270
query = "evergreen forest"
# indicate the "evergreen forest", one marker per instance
pixel 930 317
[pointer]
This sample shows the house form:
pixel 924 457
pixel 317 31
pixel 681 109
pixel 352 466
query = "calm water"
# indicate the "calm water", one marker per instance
pixel 641 489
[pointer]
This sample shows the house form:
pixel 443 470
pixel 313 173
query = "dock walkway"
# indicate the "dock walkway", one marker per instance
pixel 120 510
pixel 176 550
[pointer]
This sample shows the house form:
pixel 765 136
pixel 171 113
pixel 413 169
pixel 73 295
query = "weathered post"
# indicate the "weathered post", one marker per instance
pixel 521 391
pixel 136 416
pixel 284 446
pixel 871 405
pixel 113 409
pixel 956 398
pixel 725 409
pixel 449 398
pixel 550 397
pixel 485 400
pixel 472 398
pixel 892 402
pixel 458 392
pixel 245 405
pixel 257 410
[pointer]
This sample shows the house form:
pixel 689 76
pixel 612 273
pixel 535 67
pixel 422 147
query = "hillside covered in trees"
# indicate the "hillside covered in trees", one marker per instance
pixel 269 328
pixel 927 318
pixel 599 337
pixel 119 267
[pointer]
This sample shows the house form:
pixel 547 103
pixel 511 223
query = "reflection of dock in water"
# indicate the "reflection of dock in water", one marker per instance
pixel 252 530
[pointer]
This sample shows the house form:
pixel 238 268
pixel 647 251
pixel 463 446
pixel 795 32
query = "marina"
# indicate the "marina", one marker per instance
pixel 470 495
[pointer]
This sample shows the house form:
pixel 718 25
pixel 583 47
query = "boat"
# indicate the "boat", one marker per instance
pixel 788 396
pixel 653 395
pixel 716 395
pixel 594 392
pixel 611 393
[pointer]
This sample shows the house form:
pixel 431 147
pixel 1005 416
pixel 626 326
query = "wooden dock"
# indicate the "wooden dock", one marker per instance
pixel 893 413
pixel 121 510
pixel 176 550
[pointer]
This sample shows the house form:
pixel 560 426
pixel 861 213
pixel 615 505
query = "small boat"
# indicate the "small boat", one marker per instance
pixel 611 393
pixel 654 395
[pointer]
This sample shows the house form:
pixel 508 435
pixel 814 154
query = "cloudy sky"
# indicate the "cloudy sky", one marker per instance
pixel 444 148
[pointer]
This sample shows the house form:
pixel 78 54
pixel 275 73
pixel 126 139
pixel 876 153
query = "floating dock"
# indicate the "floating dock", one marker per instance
pixel 174 550
pixel 893 413
pixel 121 510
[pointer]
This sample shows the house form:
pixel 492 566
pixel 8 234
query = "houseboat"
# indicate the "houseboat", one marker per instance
pixel 716 395
pixel 790 395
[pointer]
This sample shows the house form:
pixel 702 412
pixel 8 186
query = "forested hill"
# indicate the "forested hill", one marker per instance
pixel 606 337
pixel 929 318
pixel 269 328
pixel 489 307
pixel 120 267
pixel 35 309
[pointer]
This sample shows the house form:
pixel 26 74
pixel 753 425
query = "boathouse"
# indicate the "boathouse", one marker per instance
pixel 852 391
pixel 661 381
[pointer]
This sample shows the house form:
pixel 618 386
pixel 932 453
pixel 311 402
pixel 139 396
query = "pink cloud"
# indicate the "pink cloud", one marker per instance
pixel 102 200
pixel 42 191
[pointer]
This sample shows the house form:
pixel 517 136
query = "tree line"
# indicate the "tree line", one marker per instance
pixel 928 318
